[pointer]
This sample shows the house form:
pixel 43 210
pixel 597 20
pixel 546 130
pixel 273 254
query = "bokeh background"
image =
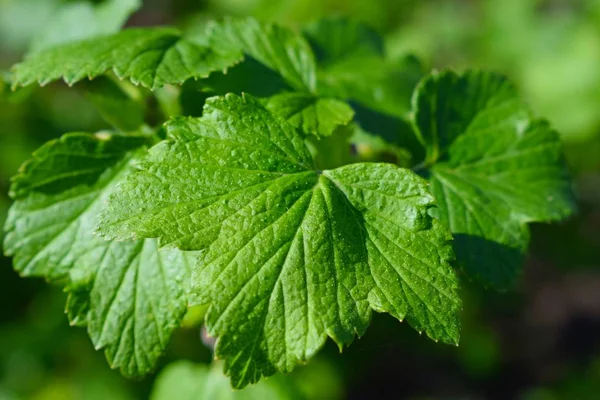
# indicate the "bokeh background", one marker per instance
pixel 540 341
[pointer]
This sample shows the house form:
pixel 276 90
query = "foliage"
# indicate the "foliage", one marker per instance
pixel 267 206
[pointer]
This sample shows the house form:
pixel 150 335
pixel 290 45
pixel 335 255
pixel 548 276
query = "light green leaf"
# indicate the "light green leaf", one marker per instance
pixel 293 255
pixel 497 169
pixel 311 114
pixel 150 57
pixel 82 20
pixel 276 47
pixel 185 380
pixel 129 294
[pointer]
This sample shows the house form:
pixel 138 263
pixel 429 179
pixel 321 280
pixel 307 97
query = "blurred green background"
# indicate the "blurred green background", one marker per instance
pixel 540 341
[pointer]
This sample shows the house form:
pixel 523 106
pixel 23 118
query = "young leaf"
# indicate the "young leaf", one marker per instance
pixel 293 255
pixel 311 114
pixel 130 295
pixel 150 57
pixel 276 47
pixel 497 169
pixel 82 20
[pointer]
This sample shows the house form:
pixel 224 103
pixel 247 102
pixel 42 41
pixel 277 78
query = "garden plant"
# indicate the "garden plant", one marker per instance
pixel 287 183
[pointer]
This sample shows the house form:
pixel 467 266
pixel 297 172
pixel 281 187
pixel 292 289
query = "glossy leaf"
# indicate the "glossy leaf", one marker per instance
pixel 313 115
pixel 292 254
pixel 274 46
pixel 150 57
pixel 130 295
pixel 495 169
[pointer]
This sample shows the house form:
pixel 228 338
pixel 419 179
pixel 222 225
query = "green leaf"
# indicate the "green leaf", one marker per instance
pixel 353 66
pixel 497 169
pixel 116 106
pixel 447 104
pixel 293 255
pixel 58 193
pixel 277 59
pixel 276 47
pixel 335 38
pixel 150 57
pixel 249 76
pixel 130 295
pixel 16 95
pixel 332 151
pixel 188 381
pixel 82 20
pixel 375 82
pixel 374 148
pixel 136 299
pixel 311 114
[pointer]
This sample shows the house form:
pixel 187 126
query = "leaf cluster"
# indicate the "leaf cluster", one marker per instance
pixel 316 183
